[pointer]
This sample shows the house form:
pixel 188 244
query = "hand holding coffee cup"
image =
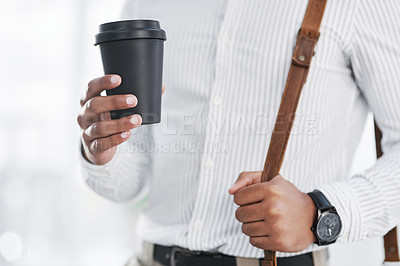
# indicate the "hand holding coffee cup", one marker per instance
pixel 100 134
pixel 132 54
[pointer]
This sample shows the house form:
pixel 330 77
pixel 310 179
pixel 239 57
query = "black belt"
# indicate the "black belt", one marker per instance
pixel 176 256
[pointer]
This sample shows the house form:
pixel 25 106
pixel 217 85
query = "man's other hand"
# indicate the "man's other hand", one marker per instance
pixel 275 214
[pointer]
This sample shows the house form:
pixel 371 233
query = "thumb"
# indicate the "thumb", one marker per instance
pixel 245 179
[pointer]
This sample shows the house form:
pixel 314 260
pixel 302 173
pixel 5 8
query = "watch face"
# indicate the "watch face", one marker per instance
pixel 328 227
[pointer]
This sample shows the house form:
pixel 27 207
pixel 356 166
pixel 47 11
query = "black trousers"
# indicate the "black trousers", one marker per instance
pixel 183 257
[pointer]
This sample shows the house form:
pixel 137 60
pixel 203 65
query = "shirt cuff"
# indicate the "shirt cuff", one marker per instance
pixel 90 169
pixel 100 177
pixel 343 198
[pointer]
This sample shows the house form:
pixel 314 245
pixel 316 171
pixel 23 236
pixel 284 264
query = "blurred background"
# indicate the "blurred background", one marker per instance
pixel 48 216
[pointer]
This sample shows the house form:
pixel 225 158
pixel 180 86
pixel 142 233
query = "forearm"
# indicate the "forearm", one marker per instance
pixel 369 202
pixel 121 179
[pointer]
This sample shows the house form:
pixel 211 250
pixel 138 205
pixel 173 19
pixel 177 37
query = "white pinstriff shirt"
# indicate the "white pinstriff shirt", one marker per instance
pixel 226 62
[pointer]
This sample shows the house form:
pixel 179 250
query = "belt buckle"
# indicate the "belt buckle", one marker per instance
pixel 176 249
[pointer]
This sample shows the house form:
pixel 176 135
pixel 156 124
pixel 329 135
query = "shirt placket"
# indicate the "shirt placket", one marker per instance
pixel 198 224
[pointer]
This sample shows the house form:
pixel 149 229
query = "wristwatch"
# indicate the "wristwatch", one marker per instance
pixel 327 226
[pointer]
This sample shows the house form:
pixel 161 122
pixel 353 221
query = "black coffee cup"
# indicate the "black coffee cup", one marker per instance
pixel 134 50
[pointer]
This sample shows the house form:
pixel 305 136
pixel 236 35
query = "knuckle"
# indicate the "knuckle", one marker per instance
pixel 258 242
pixel 259 192
pixel 278 227
pixel 273 189
pixel 87 120
pixel 253 241
pixel 93 105
pixel 86 146
pixel 102 129
pixel 117 102
pixel 97 129
pixel 242 175
pixel 91 85
pixel 239 214
pixel 125 124
pixel 100 146
pixel 85 137
pixel 110 127
pixel 79 120
pixel 95 147
pixel 89 104
pixel 116 140
pixel 84 121
pixel 247 230
pixel 237 198
pixel 273 212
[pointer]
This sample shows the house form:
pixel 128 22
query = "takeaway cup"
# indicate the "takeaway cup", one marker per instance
pixel 134 50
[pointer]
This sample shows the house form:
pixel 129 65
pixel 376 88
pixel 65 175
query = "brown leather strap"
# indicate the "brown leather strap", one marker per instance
pixel 391 246
pixel 390 239
pixel 301 60
pixel 378 138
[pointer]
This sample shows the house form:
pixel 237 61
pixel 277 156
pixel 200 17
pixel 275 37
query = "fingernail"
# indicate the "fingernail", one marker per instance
pixel 131 100
pixel 134 120
pixel 114 79
pixel 124 135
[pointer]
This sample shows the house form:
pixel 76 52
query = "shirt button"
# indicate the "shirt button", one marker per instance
pixel 198 225
pixel 209 164
pixel 225 38
pixel 217 101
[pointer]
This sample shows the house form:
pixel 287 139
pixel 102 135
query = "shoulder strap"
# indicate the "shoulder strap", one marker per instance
pixel 390 239
pixel 301 60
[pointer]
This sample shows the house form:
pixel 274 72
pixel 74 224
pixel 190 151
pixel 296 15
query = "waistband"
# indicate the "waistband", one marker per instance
pixel 178 256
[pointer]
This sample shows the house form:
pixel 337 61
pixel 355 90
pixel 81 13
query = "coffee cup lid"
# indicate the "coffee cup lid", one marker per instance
pixel 130 29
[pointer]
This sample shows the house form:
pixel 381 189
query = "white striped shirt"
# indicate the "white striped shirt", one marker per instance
pixel 226 63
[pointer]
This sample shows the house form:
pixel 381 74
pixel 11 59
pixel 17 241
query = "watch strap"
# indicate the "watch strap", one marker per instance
pixel 321 202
